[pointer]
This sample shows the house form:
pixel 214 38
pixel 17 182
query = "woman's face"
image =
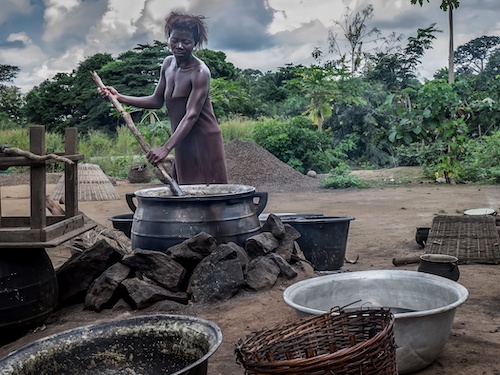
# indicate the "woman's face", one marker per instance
pixel 181 43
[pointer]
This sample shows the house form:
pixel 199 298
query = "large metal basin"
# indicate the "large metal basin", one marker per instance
pixel 423 304
pixel 150 344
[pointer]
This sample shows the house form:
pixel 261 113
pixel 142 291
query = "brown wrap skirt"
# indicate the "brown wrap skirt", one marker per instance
pixel 199 157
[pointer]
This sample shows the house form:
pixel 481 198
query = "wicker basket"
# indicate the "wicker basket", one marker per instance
pixel 335 343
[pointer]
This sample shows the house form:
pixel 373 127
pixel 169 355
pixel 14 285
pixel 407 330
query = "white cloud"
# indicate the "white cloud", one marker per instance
pixel 56 15
pixel 12 7
pixel 72 30
pixel 21 37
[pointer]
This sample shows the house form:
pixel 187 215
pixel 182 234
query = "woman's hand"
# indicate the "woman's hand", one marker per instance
pixel 106 91
pixel 156 155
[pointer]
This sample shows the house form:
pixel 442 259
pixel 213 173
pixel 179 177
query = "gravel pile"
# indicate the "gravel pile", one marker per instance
pixel 250 164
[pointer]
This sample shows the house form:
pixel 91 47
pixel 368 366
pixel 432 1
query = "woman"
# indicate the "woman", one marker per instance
pixel 184 87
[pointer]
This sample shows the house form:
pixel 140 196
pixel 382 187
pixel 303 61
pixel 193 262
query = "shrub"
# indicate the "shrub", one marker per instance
pixel 341 178
pixel 482 160
pixel 295 142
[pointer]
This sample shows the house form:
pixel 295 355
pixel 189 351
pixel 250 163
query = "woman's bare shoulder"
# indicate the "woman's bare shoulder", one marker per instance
pixel 167 61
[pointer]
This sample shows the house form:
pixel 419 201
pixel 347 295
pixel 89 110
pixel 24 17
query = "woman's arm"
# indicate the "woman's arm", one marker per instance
pixel 154 101
pixel 200 86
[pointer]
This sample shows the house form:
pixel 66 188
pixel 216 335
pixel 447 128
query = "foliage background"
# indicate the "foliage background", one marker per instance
pixel 366 109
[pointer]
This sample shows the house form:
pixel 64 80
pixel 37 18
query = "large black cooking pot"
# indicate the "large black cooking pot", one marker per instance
pixel 147 345
pixel 228 212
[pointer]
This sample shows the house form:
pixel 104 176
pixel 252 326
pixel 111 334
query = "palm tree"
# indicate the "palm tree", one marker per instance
pixel 447 5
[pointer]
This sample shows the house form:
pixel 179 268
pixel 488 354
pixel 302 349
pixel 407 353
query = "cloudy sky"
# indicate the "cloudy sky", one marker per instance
pixel 45 37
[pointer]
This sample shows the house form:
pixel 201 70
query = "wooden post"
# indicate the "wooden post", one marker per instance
pixel 71 174
pixel 38 179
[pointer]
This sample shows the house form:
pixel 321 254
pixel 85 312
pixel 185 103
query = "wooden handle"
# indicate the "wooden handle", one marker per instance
pixel 144 145
pixel 405 260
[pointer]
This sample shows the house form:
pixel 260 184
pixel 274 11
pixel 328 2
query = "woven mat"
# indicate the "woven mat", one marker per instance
pixel 472 239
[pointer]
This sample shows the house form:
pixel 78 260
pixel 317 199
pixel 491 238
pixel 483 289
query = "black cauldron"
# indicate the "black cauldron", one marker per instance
pixel 230 213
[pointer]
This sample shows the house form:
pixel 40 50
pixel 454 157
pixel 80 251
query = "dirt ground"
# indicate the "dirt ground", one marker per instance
pixel 384 228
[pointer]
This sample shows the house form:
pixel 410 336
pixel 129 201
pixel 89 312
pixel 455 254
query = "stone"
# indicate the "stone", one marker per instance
pixel 261 273
pixel 157 266
pixel 260 244
pixel 121 306
pixel 297 254
pixel 104 288
pixel 305 267
pixel 285 268
pixel 287 244
pixel 217 277
pixel 143 294
pixel 274 225
pixel 312 173
pixel 76 275
pixel 191 251
pixel 240 252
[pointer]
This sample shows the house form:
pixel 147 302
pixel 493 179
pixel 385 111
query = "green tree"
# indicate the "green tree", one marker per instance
pixel 473 56
pixel 8 72
pixel 216 62
pixel 89 108
pixel 11 103
pixel 447 5
pixel 319 87
pixel 229 97
pixel 436 118
pixel 354 26
pixel 398 69
pixel 51 103
pixel 11 98
pixel 68 99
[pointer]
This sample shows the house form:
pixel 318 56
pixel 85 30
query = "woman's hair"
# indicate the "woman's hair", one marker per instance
pixel 187 22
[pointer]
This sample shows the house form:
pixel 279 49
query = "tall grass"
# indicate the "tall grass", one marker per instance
pixel 114 155
pixel 238 128
pixel 16 138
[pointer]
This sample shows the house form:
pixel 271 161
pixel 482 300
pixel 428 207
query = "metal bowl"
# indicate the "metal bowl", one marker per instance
pixel 147 345
pixel 423 304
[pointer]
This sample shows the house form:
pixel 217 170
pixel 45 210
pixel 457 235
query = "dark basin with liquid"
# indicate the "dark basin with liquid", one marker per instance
pixel 147 345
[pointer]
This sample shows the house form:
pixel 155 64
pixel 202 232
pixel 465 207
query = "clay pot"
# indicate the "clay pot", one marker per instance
pixel 440 265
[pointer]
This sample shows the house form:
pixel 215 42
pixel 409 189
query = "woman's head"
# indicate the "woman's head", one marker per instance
pixel 186 22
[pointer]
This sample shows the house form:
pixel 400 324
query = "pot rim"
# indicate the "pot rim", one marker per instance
pixel 461 291
pixel 226 190
pixel 438 258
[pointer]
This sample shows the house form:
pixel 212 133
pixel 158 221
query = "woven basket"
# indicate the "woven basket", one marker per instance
pixel 335 343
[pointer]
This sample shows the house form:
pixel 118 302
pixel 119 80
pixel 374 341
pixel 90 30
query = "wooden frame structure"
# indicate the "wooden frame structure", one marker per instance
pixel 39 230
